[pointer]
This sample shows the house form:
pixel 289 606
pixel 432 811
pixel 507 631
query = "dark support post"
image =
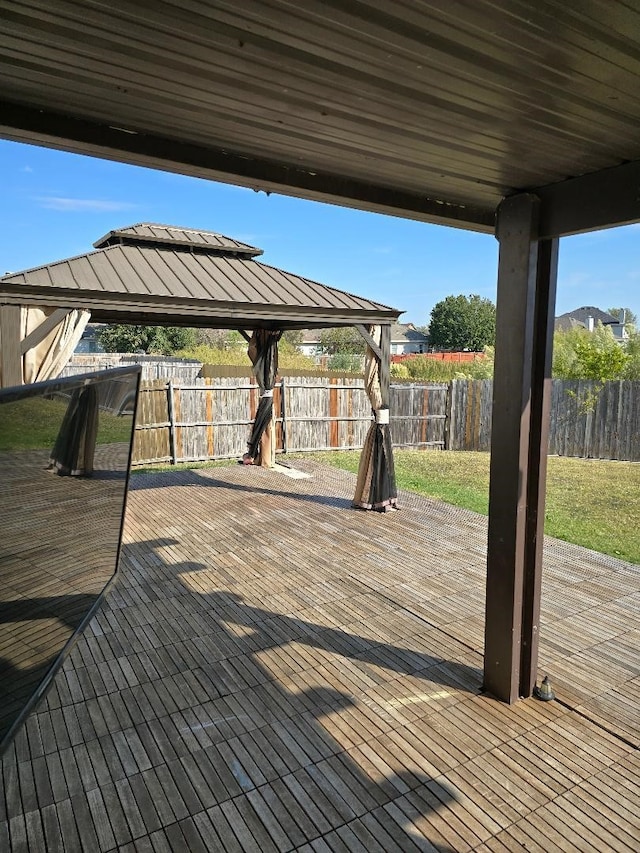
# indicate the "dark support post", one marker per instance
pixel 546 279
pixel 524 335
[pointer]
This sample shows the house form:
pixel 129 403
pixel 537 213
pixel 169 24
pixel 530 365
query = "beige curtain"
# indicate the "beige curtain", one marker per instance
pixel 263 352
pixel 376 486
pixel 47 359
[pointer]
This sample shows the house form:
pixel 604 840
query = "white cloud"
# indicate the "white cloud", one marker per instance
pixel 27 169
pixel 82 205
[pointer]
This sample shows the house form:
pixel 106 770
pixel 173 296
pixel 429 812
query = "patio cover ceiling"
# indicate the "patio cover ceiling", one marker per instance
pixel 432 110
pixel 165 275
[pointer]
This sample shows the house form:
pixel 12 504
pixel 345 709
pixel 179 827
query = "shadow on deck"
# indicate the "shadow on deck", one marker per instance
pixel 274 672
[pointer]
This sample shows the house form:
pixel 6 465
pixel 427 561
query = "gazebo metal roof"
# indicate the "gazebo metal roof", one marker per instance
pixel 165 275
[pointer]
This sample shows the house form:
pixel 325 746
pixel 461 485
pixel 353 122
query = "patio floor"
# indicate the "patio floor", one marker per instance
pixel 276 671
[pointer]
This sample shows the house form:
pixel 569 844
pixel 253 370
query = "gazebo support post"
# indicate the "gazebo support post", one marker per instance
pixel 527 273
pixel 10 354
pixel 385 362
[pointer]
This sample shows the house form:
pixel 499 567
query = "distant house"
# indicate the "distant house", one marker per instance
pixel 89 342
pixel 588 316
pixel 405 339
pixel 310 344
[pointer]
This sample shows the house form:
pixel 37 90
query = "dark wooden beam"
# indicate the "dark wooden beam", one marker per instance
pixel 600 200
pixel 54 130
pixel 524 325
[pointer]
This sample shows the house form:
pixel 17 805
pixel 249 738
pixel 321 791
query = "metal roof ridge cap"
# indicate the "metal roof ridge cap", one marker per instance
pixel 125 228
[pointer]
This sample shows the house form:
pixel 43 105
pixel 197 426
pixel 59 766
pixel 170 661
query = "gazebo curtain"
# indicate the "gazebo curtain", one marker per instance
pixel 52 344
pixel 376 484
pixel 74 448
pixel 47 358
pixel 263 352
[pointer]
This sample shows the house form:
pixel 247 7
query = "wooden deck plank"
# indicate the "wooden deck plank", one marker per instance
pixel 35 833
pixel 246 688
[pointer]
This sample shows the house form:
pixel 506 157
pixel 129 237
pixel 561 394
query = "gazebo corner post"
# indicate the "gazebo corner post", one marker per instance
pixel 10 354
pixel 527 273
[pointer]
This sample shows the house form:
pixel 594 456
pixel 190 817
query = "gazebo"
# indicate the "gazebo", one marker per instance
pixel 167 275
pixel 513 118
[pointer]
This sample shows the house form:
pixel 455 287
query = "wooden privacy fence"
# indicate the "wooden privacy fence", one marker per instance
pixel 153 366
pixel 589 419
pixel 211 418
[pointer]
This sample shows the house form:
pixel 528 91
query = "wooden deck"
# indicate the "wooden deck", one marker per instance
pixel 275 671
pixel 58 549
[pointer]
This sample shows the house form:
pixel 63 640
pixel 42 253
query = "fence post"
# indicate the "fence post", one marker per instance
pixel 283 414
pixel 448 428
pixel 333 413
pixel 172 422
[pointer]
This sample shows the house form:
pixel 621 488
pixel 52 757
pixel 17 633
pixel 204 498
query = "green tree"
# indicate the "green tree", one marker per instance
pixel 463 323
pixel 630 319
pixel 632 351
pixel 293 336
pixel 153 340
pixel 579 354
pixel 345 339
pixel 221 339
pixel 349 362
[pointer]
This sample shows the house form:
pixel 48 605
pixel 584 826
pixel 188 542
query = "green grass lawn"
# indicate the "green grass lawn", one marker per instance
pixel 593 503
pixel 33 424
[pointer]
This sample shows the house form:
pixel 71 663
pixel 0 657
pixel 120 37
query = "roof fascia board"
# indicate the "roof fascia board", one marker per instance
pixel 604 199
pixel 27 124
pixel 193 312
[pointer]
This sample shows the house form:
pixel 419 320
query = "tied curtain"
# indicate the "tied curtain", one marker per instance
pixel 376 485
pixel 36 342
pixel 73 451
pixel 263 352
pixel 74 448
pixel 47 359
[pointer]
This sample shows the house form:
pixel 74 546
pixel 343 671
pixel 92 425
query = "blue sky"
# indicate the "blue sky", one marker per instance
pixel 56 205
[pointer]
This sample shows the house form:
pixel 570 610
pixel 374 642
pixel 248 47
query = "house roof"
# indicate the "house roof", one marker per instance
pixel 400 332
pixel 435 111
pixel 162 281
pixel 581 315
pixel 407 332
